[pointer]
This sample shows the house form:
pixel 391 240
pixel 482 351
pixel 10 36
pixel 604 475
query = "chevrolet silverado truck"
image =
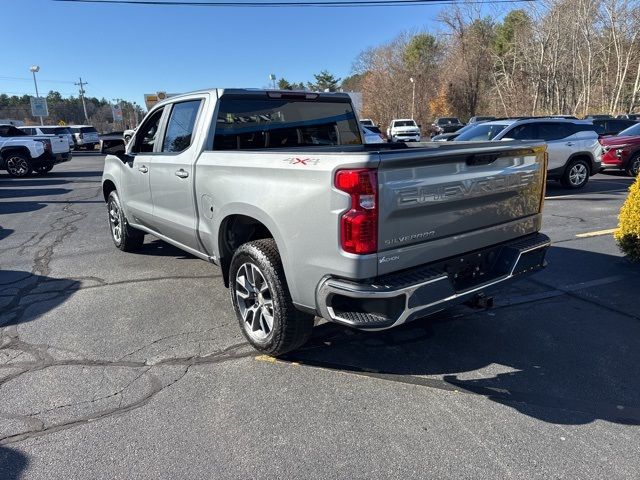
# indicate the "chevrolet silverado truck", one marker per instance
pixel 306 221
pixel 403 130
pixel 21 154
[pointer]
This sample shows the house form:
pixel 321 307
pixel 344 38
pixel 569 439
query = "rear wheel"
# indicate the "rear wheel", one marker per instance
pixel 633 166
pixel 576 175
pixel 125 237
pixel 262 302
pixel 18 165
pixel 44 169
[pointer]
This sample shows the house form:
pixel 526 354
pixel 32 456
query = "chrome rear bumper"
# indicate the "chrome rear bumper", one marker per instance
pixel 394 299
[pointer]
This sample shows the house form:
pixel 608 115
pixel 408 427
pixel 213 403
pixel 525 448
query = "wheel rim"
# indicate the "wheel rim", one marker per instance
pixel 578 174
pixel 254 301
pixel 114 221
pixel 635 167
pixel 17 166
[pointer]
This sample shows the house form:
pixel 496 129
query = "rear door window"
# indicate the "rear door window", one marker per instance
pixel 554 131
pixel 179 133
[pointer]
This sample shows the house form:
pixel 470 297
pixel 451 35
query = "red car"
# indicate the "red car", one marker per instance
pixel 622 151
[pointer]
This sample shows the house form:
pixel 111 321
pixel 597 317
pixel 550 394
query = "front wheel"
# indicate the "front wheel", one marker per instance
pixel 18 165
pixel 633 167
pixel 125 237
pixel 262 302
pixel 576 175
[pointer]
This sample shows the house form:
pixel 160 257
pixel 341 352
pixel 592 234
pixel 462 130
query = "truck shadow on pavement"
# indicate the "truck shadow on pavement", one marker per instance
pixel 25 296
pixel 12 463
pixel 564 350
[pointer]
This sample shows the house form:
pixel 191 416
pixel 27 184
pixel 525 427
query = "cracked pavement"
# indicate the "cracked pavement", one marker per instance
pixel 117 365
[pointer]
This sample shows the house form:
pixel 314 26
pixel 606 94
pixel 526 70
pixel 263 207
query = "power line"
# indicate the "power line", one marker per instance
pixel 295 4
pixel 29 79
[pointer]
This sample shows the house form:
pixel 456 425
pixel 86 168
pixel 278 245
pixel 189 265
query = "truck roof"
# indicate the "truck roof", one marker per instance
pixel 259 91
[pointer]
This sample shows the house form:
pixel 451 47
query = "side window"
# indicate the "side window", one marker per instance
pixel 147 133
pixel 180 127
pixel 554 131
pixel 523 132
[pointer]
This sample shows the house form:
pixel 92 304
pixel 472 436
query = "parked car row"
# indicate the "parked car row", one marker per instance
pixel 78 136
pixel 22 153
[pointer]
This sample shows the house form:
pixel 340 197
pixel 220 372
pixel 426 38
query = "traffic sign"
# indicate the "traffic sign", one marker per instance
pixel 39 107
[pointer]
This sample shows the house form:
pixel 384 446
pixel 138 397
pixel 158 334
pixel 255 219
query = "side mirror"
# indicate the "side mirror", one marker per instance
pixel 117 148
pixel 419 126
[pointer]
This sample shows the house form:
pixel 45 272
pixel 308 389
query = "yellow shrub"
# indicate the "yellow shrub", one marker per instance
pixel 628 233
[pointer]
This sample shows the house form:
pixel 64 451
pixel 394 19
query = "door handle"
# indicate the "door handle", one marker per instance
pixel 569 144
pixel 143 169
pixel 182 173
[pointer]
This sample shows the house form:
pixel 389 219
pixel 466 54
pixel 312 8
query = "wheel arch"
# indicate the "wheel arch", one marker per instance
pixel 108 186
pixel 238 228
pixel 5 152
pixel 587 156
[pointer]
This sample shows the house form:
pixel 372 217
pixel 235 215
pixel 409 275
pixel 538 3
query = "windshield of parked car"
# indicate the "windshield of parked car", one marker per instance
pixel 250 123
pixel 632 131
pixel 88 130
pixel 447 121
pixel 404 123
pixel 482 132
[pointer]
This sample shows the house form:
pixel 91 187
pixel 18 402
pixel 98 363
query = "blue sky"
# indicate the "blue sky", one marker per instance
pixel 124 51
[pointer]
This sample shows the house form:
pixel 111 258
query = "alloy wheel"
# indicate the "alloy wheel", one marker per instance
pixel 578 174
pixel 114 221
pixel 635 167
pixel 254 301
pixel 17 166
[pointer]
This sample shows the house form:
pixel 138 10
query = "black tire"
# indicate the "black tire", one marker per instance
pixel 18 165
pixel 633 166
pixel 125 237
pixel 576 175
pixel 290 328
pixel 43 170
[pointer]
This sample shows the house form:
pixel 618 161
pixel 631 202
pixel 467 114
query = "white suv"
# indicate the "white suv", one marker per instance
pixel 572 145
pixel 85 136
pixel 403 130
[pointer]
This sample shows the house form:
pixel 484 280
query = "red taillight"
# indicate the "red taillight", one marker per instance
pixel 359 226
pixel 46 144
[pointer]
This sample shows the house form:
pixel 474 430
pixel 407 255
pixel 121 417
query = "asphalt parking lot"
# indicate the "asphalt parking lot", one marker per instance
pixel 117 365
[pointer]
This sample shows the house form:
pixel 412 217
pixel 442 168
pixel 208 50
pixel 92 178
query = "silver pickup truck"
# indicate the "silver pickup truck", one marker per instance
pixel 304 220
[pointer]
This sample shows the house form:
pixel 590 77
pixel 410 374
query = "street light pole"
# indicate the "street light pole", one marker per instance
pixel 34 69
pixel 413 97
pixel 272 77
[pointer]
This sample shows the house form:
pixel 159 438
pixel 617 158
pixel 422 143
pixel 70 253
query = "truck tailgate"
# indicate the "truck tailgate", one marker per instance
pixel 442 201
pixel 59 143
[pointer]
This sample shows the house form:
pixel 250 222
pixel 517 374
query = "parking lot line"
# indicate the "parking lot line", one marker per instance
pixel 597 233
pixel 587 193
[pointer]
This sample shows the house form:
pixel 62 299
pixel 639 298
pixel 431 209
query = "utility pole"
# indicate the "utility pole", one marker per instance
pixel 84 105
pixel 413 96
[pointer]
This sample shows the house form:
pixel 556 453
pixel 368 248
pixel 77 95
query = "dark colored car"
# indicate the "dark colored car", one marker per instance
pixel 599 116
pixel 622 151
pixel 612 126
pixel 447 125
pixel 480 119
pixel 630 116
